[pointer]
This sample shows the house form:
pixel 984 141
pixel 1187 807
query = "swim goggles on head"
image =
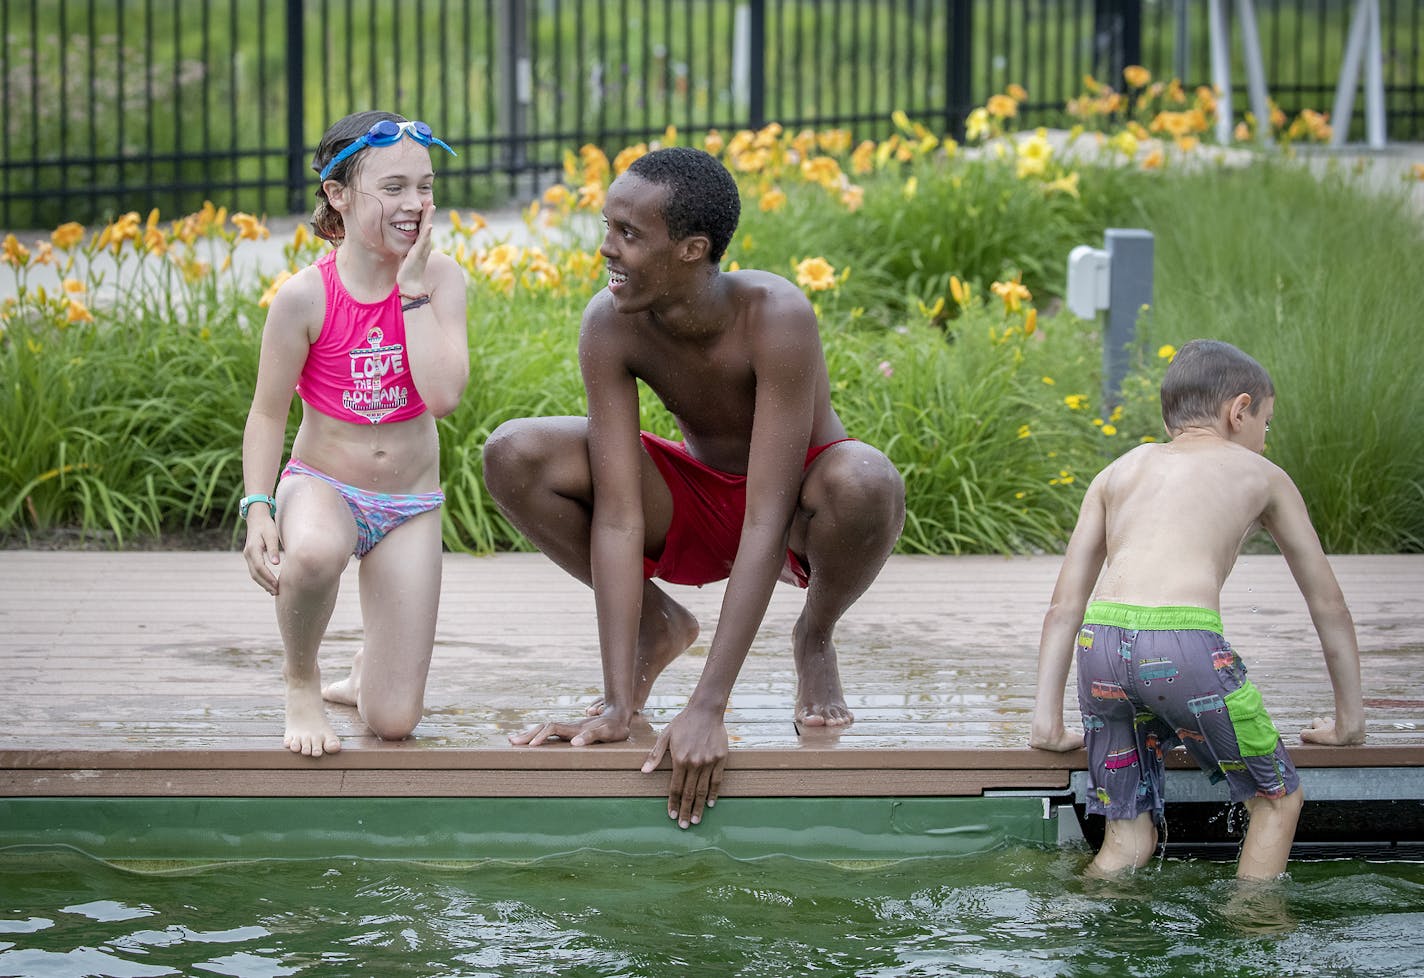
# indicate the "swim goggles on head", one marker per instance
pixel 387 132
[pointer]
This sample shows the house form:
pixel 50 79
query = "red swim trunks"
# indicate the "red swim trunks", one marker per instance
pixel 708 507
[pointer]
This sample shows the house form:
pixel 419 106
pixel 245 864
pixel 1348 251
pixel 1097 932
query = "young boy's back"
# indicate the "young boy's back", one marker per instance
pixel 1158 534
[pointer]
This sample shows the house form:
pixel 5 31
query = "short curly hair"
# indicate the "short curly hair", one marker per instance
pixel 1205 374
pixel 702 197
pixel 326 222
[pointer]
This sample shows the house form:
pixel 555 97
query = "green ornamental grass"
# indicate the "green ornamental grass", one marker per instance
pixel 936 274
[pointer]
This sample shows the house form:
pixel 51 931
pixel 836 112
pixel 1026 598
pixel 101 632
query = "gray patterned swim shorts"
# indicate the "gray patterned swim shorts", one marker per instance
pixel 1152 678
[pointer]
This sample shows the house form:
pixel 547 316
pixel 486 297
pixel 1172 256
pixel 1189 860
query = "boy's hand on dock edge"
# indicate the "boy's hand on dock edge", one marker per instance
pixel 698 743
pixel 1322 730
pixel 1055 739
pixel 606 728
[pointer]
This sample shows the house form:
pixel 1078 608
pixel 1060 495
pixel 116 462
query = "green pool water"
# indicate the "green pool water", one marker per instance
pixel 598 887
pixel 1012 911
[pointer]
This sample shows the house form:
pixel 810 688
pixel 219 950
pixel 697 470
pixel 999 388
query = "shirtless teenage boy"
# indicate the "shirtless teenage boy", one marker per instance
pixel 1159 531
pixel 736 357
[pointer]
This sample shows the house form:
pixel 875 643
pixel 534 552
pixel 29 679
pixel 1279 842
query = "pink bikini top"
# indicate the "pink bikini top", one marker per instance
pixel 357 370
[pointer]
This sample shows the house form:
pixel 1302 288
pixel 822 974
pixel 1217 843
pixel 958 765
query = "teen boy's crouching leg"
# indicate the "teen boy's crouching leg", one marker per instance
pixel 851 512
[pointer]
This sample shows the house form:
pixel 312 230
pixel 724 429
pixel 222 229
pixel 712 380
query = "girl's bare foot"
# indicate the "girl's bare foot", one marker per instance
pixel 820 701
pixel 308 732
pixel 666 630
pixel 345 691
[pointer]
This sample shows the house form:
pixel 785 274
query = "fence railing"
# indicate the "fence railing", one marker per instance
pixel 117 105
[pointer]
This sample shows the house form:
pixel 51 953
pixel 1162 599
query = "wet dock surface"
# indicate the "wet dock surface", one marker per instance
pixel 158 674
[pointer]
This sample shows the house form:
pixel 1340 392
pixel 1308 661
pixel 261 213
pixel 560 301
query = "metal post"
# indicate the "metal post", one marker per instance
pixel 1220 68
pixel 514 74
pixel 1364 44
pixel 1130 34
pixel 1255 69
pixel 756 94
pixel 297 162
pixel 1130 252
pixel 959 50
pixel 1181 47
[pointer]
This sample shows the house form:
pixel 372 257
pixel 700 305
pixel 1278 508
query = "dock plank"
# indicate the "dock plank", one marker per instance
pixel 159 674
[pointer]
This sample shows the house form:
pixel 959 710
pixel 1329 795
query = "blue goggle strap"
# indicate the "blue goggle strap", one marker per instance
pixel 361 142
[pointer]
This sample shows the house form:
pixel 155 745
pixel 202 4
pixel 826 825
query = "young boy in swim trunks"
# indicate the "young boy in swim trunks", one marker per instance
pixel 1158 533
pixel 764 486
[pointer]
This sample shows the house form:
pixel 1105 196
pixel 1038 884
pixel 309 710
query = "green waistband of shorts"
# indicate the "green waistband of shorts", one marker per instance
pixel 1166 618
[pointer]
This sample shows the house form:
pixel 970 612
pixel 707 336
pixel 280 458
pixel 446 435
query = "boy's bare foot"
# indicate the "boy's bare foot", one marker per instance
pixel 345 691
pixel 308 732
pixel 666 631
pixel 820 701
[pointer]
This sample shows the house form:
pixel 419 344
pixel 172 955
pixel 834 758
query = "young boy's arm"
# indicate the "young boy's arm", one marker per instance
pixel 1288 522
pixel 1083 560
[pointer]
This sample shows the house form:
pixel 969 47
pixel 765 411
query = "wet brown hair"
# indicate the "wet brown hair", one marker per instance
pixel 1206 374
pixel 326 220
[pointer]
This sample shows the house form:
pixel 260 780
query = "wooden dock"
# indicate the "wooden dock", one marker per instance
pixel 158 674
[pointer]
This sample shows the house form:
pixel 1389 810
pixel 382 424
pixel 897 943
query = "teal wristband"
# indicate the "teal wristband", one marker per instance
pixel 246 502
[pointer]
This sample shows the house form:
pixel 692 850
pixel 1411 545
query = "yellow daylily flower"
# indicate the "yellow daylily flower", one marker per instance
pixel 1136 76
pixel 862 159
pixel 821 169
pixel 815 274
pixel 77 312
pixel 1002 107
pixel 977 126
pixel 1013 292
pixel 271 291
pixel 591 197
pixel 14 253
pixel 250 228
pixel 626 157
pixel 67 235
pixel 1067 184
pixel 773 200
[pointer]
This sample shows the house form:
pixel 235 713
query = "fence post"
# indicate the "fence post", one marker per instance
pixel 756 89
pixel 1117 30
pixel 296 109
pixel 1131 42
pixel 959 70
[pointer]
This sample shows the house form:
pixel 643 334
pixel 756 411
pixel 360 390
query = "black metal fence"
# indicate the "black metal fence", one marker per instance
pixel 116 105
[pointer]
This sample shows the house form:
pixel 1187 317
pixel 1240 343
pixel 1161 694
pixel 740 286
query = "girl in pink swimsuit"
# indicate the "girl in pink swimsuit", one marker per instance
pixel 372 338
